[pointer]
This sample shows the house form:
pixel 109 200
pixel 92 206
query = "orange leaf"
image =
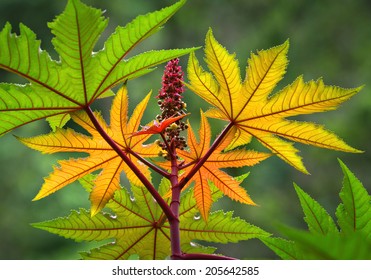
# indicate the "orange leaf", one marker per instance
pixel 101 155
pixel 210 171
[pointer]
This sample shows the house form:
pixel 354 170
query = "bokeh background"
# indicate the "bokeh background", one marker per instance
pixel 329 39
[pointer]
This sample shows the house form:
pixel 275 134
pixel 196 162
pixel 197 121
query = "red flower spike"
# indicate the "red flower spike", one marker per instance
pixel 172 106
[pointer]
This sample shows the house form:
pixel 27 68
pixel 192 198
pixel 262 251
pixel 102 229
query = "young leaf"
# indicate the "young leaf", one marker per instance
pixel 210 171
pixel 157 128
pixel 101 154
pixel 317 218
pixel 80 76
pixel 252 108
pixel 354 214
pixel 138 226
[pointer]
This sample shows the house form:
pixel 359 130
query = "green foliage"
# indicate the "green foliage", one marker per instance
pixel 354 214
pixel 317 218
pixel 143 221
pixel 324 240
pixel 138 226
pixel 81 75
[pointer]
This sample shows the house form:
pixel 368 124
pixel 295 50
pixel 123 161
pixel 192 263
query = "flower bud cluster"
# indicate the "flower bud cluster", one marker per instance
pixel 171 104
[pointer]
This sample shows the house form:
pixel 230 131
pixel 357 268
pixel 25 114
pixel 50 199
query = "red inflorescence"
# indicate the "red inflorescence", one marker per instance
pixel 170 94
pixel 171 103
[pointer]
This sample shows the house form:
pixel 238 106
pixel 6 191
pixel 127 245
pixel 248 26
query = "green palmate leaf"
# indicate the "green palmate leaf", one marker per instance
pixel 317 218
pixel 285 249
pixel 354 214
pixel 138 226
pixel 80 75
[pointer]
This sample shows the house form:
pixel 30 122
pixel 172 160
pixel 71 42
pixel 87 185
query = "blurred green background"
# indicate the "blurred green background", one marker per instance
pixel 329 39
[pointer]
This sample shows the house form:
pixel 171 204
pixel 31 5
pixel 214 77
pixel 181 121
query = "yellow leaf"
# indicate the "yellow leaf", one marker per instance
pixel 100 154
pixel 253 108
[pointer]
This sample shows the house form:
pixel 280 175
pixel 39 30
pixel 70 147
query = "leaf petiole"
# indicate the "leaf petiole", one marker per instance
pixel 150 164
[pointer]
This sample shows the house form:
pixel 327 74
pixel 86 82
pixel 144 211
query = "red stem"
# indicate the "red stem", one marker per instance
pixel 175 202
pixel 174 205
pixel 204 257
pixel 164 206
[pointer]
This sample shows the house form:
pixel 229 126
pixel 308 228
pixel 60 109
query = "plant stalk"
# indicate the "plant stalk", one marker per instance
pixel 176 251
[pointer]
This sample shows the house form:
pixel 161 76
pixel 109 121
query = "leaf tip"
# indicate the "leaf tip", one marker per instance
pixel 286 44
pixel 210 38
pixel 295 186
pixel 358 89
pixel 37 197
pixel 94 210
pixel 300 166
pixel 343 166
pixel 340 161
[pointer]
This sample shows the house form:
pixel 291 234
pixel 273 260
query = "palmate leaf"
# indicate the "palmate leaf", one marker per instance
pixel 138 226
pixel 101 155
pixel 255 111
pixel 81 75
pixel 210 170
